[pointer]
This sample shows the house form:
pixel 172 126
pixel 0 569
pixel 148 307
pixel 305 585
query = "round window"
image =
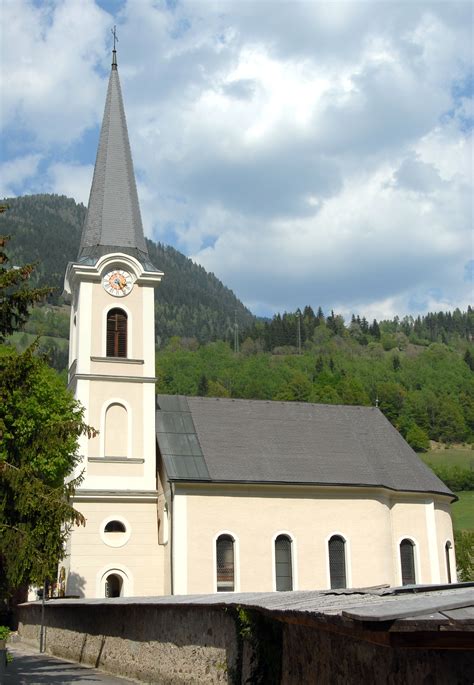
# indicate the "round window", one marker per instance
pixel 115 531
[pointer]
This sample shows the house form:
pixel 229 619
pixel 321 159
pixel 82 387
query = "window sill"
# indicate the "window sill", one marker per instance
pixel 115 360
pixel 116 460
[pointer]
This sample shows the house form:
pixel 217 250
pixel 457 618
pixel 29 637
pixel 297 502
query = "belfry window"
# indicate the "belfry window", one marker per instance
pixel 337 561
pixel 407 561
pixel 116 333
pixel 283 570
pixel 225 563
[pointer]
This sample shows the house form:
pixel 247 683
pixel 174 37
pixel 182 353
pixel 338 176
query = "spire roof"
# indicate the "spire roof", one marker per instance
pixel 113 222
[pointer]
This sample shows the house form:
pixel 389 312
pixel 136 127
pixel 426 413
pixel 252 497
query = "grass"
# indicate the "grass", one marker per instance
pixel 450 457
pixel 463 511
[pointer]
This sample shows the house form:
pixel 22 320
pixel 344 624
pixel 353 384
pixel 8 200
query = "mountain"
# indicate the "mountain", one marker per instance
pixel 190 302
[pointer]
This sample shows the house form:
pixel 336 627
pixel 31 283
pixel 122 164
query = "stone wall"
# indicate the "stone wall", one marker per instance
pixel 148 643
pixel 192 644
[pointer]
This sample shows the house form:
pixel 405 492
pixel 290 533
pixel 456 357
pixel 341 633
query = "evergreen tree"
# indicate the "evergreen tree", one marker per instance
pixel 40 424
pixel 469 359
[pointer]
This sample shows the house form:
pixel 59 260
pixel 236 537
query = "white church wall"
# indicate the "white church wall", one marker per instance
pixel 139 557
pixel 444 530
pixel 310 516
pixel 371 527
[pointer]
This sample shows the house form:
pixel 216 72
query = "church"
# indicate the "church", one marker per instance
pixel 190 495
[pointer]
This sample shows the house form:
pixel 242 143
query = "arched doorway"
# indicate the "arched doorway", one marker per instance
pixel 113 585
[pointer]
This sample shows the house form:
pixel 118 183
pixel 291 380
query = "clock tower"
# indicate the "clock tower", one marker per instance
pixel 112 374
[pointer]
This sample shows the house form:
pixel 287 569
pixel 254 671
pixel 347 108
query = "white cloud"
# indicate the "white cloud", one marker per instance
pixel 306 152
pixel 49 56
pixel 72 180
pixel 16 172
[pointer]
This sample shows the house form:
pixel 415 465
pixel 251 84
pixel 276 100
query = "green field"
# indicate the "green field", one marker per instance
pixel 450 457
pixel 463 511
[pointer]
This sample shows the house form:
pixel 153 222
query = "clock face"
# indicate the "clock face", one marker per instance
pixel 117 282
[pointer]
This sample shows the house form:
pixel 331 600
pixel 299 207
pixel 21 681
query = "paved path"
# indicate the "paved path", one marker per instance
pixel 32 668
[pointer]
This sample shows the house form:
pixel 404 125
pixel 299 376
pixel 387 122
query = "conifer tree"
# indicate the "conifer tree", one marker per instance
pixel 40 423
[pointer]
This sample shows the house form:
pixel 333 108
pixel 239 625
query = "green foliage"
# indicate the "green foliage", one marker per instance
pixel 264 636
pixel 45 229
pixel 430 397
pixel 455 328
pixel 455 477
pixel 464 544
pixel 463 511
pixel 40 424
pixel 4 633
pixel 451 456
pixel 16 296
pixel 417 438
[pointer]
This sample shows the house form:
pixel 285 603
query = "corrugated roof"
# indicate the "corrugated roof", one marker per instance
pixel 113 222
pixel 301 443
pixel 377 604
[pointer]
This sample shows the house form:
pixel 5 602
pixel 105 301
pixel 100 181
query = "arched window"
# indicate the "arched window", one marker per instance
pixel 225 563
pixel 337 561
pixel 283 570
pixel 407 561
pixel 447 547
pixel 113 585
pixel 116 333
pixel 116 431
pixel 114 527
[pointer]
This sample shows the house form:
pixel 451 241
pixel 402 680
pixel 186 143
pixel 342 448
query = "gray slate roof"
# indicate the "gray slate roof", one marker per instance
pixel 254 441
pixel 113 222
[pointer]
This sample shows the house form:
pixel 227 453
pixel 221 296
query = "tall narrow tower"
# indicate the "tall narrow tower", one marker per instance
pixel 112 374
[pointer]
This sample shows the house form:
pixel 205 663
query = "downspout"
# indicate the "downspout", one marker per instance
pixel 172 540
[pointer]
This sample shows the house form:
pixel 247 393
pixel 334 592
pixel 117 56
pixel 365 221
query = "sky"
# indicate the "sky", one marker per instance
pixel 305 152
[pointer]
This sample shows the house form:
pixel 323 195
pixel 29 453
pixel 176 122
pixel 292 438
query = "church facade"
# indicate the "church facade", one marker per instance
pixel 198 495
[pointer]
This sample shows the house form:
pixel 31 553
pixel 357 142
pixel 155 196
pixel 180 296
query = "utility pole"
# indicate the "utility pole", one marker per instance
pixel 236 333
pixel 298 330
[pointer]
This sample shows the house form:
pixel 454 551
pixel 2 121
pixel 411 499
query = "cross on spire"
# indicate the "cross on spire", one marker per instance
pixel 114 51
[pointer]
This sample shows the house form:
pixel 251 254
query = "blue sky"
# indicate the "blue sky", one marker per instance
pixel 305 152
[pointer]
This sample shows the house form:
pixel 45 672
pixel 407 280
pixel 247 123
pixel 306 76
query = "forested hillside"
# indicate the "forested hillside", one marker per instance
pixel 191 302
pixel 426 392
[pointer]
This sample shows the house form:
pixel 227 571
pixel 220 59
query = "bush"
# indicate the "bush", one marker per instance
pixel 455 477
pixel 464 542
pixel 417 438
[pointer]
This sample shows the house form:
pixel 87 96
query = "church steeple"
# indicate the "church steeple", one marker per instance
pixel 113 221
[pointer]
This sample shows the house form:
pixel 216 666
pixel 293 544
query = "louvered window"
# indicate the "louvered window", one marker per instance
pixel 407 560
pixel 447 547
pixel 225 563
pixel 283 570
pixel 337 561
pixel 116 333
